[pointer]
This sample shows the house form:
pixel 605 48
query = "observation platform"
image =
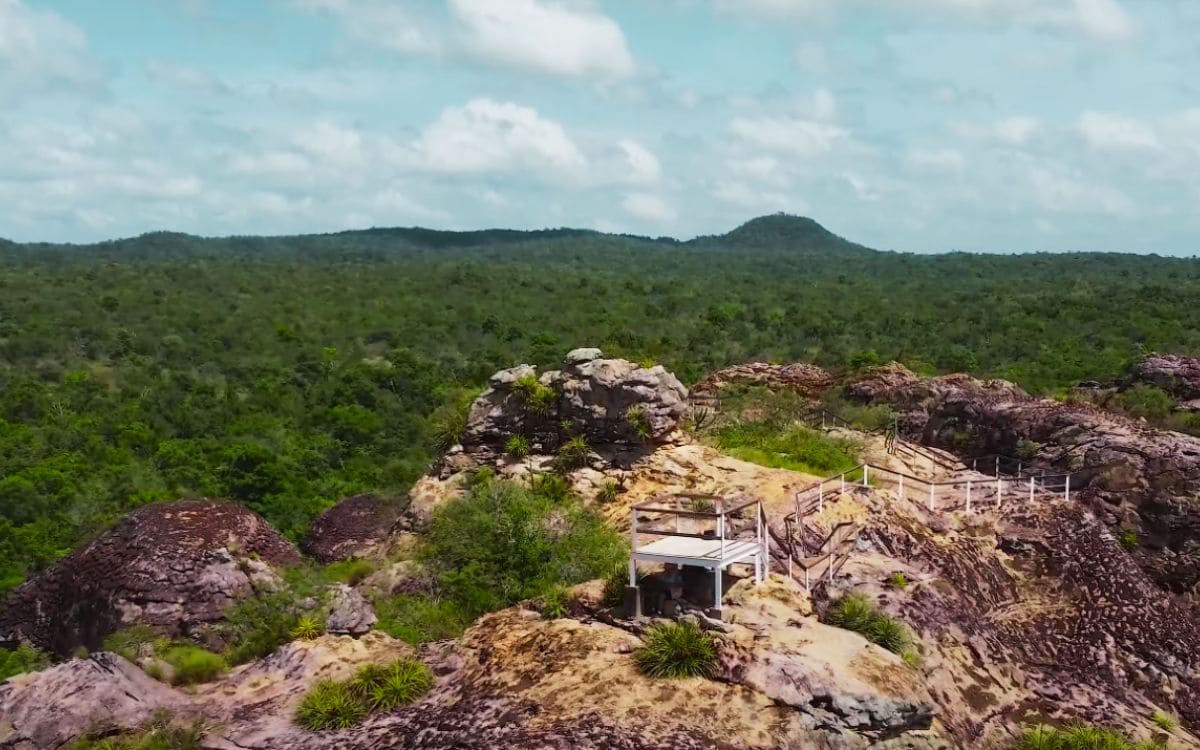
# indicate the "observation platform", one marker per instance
pixel 702 531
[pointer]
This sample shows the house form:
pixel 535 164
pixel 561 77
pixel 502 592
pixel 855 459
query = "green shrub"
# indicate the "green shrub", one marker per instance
pixel 857 612
pixel 636 417
pixel 307 628
pixel 1079 737
pixel 417 619
pixel 609 491
pixel 555 603
pixel 374 687
pixel 782 447
pixel 257 625
pixel 330 705
pixel 517 446
pixel 1164 721
pixel 24 658
pixel 192 664
pixel 552 487
pixel 128 642
pixel 448 422
pixel 898 580
pixel 501 544
pixel 399 683
pixel 539 399
pixel 614 587
pixel 573 454
pixel 350 572
pixel 1130 540
pixel 679 649
pixel 1147 401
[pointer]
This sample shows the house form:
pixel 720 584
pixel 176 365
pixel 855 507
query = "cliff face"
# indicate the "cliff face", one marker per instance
pixel 1136 478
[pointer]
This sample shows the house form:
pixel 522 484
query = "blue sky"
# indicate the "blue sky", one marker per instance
pixel 921 125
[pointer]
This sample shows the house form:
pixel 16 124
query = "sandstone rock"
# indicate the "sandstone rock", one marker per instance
pixel 1150 476
pixel 172 566
pixel 611 403
pixel 349 612
pixel 1175 374
pixel 97 695
pixel 801 377
pixel 356 527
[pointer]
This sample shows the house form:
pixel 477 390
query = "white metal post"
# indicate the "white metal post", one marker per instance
pixel 721 532
pixel 717 588
pixel 932 489
pixel 843 482
pixel 821 497
pixel 999 492
pixel 1067 489
pixel 968 497
pixel 865 482
pixel 997 466
pixel 1031 490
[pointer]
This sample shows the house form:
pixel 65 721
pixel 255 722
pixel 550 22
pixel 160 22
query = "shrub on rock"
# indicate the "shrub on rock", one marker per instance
pixel 679 649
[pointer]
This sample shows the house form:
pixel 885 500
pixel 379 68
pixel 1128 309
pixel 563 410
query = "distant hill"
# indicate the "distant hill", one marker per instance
pixel 784 232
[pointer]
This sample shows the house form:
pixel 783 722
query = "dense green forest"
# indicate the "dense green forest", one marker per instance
pixel 288 372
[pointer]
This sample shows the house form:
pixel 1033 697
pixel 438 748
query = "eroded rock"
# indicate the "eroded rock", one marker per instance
pixel 172 566
pixel 356 527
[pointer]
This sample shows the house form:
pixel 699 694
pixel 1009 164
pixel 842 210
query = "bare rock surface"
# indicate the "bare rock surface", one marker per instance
pixel 349 612
pixel 611 403
pixel 100 694
pixel 1137 477
pixel 172 566
pixel 801 377
pixel 1176 374
pixel 355 527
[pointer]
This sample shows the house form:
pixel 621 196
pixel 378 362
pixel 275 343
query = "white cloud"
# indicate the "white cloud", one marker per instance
pixel 332 144
pixel 649 207
pixel 789 134
pixel 185 77
pixel 1099 19
pixel 937 159
pixel 551 37
pixel 40 48
pixel 490 136
pixel 1061 190
pixel 740 194
pixel 1112 132
pixel 643 164
pixel 391 26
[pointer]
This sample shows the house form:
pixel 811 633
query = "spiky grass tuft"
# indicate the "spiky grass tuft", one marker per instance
pixel 676 650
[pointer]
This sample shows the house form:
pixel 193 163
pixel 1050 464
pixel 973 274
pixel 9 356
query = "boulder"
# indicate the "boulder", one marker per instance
pixel 349 612
pixel 172 566
pixel 1175 374
pixel 800 377
pixel 99 695
pixel 611 403
pixel 357 526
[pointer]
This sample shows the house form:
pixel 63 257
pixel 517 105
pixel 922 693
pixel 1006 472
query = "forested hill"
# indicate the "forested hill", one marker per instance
pixel 287 372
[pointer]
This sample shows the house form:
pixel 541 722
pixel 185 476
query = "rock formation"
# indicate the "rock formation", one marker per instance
pixel 172 566
pixel 352 528
pixel 1139 478
pixel 801 377
pixel 1175 374
pixel 613 404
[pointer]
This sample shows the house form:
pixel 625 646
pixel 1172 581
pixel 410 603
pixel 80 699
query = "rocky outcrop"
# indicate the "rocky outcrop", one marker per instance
pixel 99 695
pixel 355 527
pixel 172 566
pixel 1138 478
pixel 801 377
pixel 349 612
pixel 1175 374
pixel 613 404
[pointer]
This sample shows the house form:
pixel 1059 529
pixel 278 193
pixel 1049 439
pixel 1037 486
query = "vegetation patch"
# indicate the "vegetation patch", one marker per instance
pixel 130 642
pixel 788 447
pixel 420 619
pixel 24 658
pixel 191 664
pixel 331 704
pixel 858 612
pixel 1079 737
pixel 257 625
pixel 350 572
pixel 160 733
pixel 675 650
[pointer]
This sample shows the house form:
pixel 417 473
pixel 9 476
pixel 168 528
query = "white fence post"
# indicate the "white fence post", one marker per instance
pixel 1031 490
pixel 1067 489
pixel 968 497
pixel 997 467
pixel 865 482
pixel 843 482
pixel 821 497
pixel 999 492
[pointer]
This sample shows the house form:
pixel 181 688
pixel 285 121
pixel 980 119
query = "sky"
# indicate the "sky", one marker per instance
pixel 915 125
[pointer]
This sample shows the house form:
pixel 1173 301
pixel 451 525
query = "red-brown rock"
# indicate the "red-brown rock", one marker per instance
pixel 355 527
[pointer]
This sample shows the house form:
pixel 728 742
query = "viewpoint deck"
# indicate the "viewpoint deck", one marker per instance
pixel 701 531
